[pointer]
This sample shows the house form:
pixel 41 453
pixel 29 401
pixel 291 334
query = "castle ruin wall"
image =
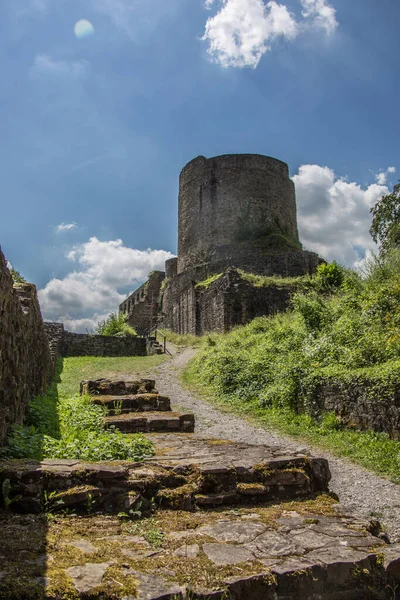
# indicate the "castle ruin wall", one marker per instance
pixel 26 365
pixel 230 201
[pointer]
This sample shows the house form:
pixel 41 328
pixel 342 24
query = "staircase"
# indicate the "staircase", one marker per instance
pixel 227 521
pixel 137 407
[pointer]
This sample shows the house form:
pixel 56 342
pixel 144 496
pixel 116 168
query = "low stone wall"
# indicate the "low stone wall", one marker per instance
pixel 26 365
pixel 82 344
pixel 361 404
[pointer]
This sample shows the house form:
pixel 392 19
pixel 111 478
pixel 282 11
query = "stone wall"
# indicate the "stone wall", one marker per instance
pixel 25 361
pixel 82 344
pixel 234 201
pixel 142 306
pixel 225 303
pixel 55 334
pixel 360 404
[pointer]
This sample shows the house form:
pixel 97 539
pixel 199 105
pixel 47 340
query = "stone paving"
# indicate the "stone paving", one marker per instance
pixel 202 518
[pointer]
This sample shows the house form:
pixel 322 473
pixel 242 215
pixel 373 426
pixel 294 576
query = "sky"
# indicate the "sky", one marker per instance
pixel 104 101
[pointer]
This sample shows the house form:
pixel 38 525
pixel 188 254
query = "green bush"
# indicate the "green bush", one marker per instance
pixel 115 324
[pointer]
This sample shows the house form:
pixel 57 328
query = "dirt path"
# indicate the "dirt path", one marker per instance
pixel 358 489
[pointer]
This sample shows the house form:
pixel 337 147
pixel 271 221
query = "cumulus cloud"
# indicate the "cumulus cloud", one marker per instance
pixel 382 176
pixel 85 325
pixel 321 14
pixel 46 65
pixel 65 227
pixel 242 31
pixel 103 270
pixel 334 214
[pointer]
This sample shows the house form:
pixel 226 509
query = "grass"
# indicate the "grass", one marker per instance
pixel 179 339
pixel 303 282
pixel 63 424
pixel 83 367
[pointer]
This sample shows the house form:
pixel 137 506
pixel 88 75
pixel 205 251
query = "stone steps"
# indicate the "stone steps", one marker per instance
pixel 113 387
pixel 186 485
pixel 133 403
pixel 204 520
pixel 136 406
pixel 151 421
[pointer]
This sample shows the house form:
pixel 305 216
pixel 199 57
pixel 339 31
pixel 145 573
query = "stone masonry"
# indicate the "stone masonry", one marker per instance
pixel 235 211
pixel 201 519
pixel 25 361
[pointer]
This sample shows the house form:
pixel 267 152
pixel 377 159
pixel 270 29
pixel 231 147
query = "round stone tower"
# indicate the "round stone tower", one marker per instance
pixel 237 210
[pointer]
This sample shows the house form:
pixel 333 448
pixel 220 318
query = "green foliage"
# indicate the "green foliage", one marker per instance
pixel 385 227
pixel 329 276
pixel 16 275
pixel 349 330
pixel 204 285
pixel 6 489
pixel 115 325
pixel 182 339
pixel 302 282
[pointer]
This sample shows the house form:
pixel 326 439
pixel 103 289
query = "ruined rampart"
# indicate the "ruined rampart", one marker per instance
pixel 26 364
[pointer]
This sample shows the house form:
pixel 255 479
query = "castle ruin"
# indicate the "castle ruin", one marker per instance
pixel 236 211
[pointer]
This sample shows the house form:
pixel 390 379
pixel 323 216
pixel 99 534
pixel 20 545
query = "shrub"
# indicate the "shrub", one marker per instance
pixel 115 325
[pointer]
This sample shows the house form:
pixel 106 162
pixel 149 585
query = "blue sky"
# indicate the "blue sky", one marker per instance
pixel 95 129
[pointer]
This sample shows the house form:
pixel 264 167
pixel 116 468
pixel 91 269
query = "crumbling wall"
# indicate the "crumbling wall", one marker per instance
pixel 360 404
pixel 142 306
pixel 83 344
pixel 226 302
pixel 55 334
pixel 25 361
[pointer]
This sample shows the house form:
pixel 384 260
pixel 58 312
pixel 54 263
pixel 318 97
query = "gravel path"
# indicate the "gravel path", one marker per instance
pixel 359 490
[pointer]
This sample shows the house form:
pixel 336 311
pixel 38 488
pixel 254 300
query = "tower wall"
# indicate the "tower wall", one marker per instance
pixel 232 204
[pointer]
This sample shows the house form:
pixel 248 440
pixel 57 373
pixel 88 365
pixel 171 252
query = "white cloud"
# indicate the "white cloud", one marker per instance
pixel 321 14
pixel 103 269
pixel 382 176
pixel 242 31
pixel 334 214
pixel 85 325
pixel 65 227
pixel 46 65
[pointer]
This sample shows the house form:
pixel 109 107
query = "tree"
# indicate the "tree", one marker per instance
pixel 385 228
pixel 115 325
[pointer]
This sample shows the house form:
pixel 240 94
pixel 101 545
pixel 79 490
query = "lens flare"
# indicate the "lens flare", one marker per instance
pixel 83 28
